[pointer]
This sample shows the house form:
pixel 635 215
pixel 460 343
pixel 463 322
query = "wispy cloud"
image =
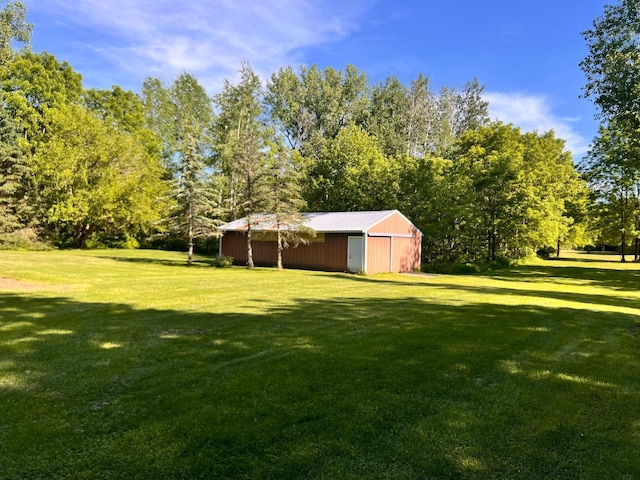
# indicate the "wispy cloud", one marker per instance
pixel 535 113
pixel 208 38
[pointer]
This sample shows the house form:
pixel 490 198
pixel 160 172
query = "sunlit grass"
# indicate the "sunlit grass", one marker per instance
pixel 130 364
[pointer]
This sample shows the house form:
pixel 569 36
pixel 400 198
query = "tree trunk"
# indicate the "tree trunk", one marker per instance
pixel 249 246
pixel 279 264
pixel 190 236
pixel 190 254
pixel 81 234
pixel 623 230
pixel 558 249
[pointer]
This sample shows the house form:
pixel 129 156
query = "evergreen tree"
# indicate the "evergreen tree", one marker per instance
pixel 182 117
pixel 286 201
pixel 241 150
pixel 14 171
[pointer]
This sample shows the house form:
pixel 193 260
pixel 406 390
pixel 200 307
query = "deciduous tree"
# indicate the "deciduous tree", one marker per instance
pixel 94 180
pixel 33 83
pixel 612 67
pixel 13 27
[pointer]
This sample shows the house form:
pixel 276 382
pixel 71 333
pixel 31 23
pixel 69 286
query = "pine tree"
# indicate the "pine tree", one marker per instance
pixel 240 150
pixel 14 170
pixel 286 201
pixel 182 117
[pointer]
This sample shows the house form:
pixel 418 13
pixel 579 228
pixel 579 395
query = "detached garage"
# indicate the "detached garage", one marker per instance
pixel 357 242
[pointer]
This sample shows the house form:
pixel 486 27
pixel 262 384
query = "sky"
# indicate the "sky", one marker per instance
pixel 526 54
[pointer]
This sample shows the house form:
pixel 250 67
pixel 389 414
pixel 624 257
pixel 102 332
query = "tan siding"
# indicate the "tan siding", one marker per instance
pixel 406 251
pixel 393 224
pixel 378 254
pixel 406 254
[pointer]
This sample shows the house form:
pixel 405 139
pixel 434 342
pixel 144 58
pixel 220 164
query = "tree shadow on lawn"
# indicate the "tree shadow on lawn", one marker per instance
pixel 611 278
pixel 197 262
pixel 360 388
pixel 590 299
pixel 617 280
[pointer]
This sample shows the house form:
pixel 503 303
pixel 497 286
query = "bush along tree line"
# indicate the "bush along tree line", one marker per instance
pixel 162 167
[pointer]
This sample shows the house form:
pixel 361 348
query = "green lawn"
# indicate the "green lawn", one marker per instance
pixel 129 364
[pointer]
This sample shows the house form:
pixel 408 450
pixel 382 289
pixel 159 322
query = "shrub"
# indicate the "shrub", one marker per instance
pixel 465 268
pixel 451 268
pixel 222 261
pixel 545 252
pixel 23 239
pixel 102 240
pixel 498 264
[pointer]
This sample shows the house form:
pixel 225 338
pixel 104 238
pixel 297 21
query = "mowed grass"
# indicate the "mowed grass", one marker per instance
pixel 129 364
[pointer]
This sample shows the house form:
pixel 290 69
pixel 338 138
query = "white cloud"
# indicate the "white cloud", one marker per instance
pixel 535 113
pixel 209 39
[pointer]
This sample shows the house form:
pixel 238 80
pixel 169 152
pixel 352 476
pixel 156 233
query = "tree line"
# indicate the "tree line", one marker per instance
pixel 164 166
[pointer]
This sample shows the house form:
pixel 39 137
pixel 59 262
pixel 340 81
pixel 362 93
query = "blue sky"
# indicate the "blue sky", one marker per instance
pixel 526 54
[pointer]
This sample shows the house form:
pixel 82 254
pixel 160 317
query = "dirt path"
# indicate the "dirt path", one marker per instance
pixel 12 284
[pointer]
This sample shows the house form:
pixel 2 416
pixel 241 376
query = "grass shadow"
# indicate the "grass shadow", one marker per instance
pixel 197 262
pixel 339 388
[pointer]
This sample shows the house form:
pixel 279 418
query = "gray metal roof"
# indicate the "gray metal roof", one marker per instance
pixel 334 222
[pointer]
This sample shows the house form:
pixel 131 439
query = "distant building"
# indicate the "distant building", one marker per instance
pixel 357 242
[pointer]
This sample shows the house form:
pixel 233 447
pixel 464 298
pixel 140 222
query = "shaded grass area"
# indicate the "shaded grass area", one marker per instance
pixel 110 372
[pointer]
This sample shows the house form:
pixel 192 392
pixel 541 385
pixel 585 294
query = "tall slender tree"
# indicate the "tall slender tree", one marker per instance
pixel 286 202
pixel 182 115
pixel 612 69
pixel 240 149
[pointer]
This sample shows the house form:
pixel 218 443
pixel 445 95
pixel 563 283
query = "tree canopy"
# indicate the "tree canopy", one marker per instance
pixel 90 167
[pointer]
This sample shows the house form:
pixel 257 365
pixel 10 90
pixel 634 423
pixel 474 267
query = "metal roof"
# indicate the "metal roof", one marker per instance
pixel 327 222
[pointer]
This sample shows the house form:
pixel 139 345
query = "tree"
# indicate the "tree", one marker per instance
pixel 182 116
pixel 286 202
pixel 33 83
pixel 437 202
pixel 316 104
pixel 550 184
pixel 240 149
pixel 458 112
pixel 285 102
pixel 519 189
pixel 389 117
pixel 612 169
pixel 94 181
pixel 14 171
pixel 352 174
pixel 612 67
pixel 13 27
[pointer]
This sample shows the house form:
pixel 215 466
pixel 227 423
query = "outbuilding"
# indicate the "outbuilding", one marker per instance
pixel 357 242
